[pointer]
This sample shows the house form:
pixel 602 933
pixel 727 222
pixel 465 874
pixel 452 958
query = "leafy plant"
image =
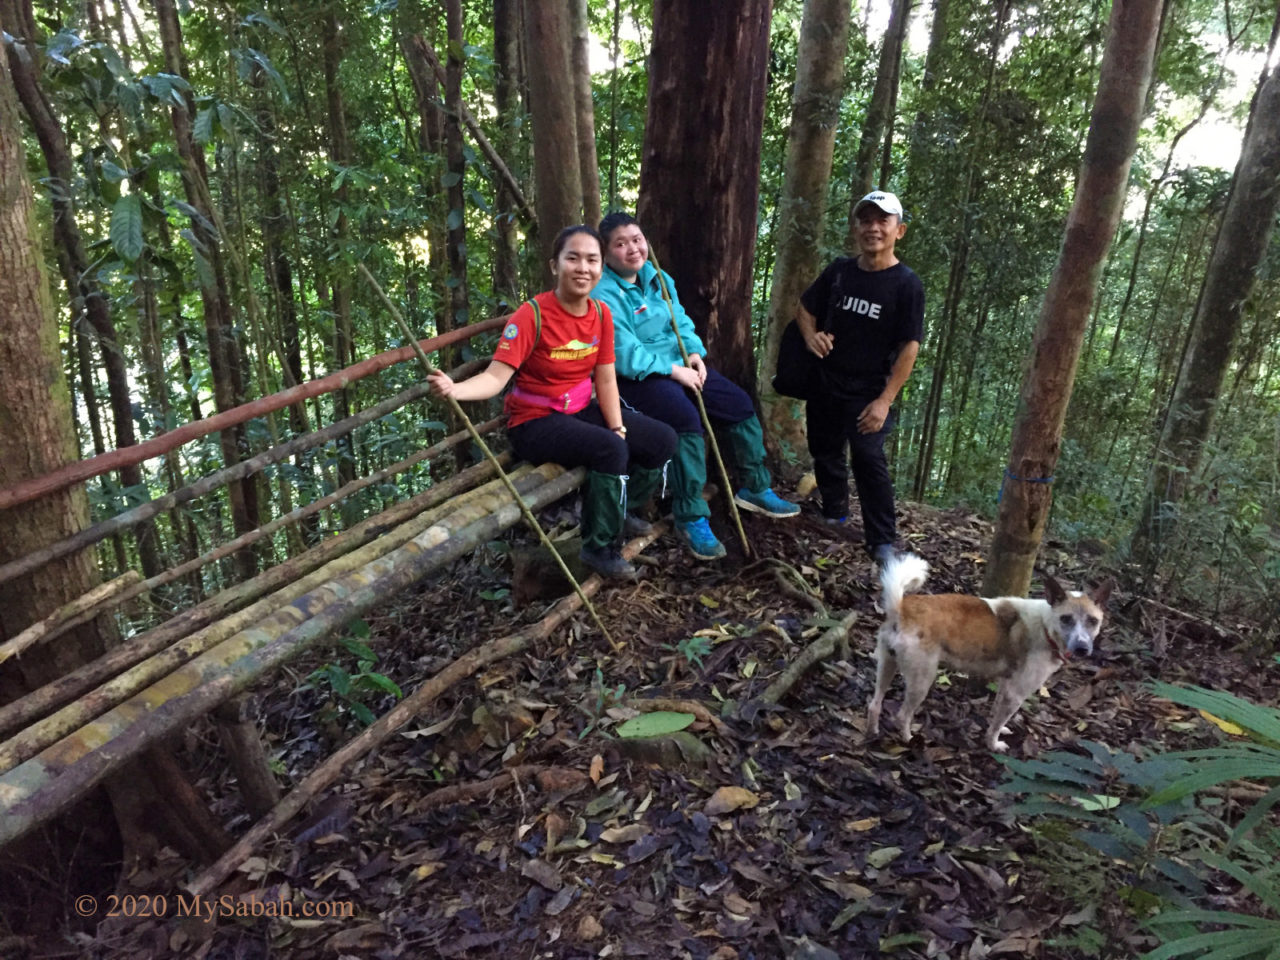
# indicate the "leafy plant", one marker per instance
pixel 1139 828
pixel 353 689
pixel 693 649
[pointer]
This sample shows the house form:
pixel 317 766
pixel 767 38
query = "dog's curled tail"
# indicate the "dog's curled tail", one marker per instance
pixel 905 573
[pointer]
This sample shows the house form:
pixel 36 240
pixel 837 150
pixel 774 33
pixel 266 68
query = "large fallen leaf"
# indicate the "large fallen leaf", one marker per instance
pixel 628 834
pixel 728 799
pixel 883 857
pixel 1226 726
pixel 660 723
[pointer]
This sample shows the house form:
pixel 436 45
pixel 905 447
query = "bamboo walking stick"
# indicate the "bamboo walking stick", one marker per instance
pixel 702 409
pixel 502 474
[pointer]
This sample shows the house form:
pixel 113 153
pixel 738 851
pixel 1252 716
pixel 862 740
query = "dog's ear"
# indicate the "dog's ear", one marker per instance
pixel 1053 591
pixel 1102 592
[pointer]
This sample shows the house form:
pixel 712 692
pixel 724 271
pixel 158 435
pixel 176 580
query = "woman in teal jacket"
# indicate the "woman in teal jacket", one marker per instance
pixel 653 378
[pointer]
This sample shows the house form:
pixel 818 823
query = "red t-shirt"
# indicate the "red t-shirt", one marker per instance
pixel 567 352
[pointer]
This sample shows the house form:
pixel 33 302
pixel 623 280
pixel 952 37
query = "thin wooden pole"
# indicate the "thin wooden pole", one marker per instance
pixel 702 409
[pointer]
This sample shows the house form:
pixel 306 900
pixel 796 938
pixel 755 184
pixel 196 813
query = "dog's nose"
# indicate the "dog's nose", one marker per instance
pixel 1078 648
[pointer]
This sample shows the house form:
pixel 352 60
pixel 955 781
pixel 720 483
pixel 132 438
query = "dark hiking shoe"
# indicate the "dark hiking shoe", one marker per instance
pixel 607 562
pixel 634 525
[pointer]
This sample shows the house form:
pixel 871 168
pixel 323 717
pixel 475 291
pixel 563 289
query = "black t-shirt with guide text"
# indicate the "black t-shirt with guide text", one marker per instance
pixel 871 314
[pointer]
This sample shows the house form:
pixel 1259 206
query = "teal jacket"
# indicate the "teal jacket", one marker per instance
pixel 643 341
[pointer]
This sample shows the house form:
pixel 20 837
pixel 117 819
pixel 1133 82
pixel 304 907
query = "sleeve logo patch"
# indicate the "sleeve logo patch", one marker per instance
pixel 510 332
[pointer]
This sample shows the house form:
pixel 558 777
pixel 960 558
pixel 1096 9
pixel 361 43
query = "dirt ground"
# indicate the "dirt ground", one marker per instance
pixel 779 831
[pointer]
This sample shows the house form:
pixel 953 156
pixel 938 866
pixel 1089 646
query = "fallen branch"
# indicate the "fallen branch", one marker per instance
pixel 382 729
pixel 819 649
pixel 459 792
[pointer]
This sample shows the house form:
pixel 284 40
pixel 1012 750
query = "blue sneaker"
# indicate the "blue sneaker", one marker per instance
pixel 835 521
pixel 766 502
pixel 697 536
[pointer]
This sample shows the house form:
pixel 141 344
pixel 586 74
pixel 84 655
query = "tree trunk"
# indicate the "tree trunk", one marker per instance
pixel 506 99
pixel 82 286
pixel 36 434
pixel 585 113
pixel 224 348
pixel 555 142
pixel 879 115
pixel 933 63
pixel 1242 241
pixel 340 153
pixel 456 170
pixel 700 176
pixel 815 113
pixel 1091 224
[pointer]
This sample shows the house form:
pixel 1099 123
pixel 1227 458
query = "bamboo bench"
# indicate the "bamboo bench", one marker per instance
pixel 66 737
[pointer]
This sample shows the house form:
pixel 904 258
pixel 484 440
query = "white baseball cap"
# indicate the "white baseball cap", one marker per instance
pixel 882 199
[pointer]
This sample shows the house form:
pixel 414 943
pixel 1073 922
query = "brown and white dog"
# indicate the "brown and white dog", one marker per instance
pixel 1021 642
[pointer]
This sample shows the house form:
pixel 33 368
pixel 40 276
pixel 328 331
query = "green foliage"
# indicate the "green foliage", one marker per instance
pixel 659 723
pixel 693 649
pixel 1139 829
pixel 355 688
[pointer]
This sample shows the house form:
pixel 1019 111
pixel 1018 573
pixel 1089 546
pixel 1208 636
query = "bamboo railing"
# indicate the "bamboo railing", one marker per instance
pixel 65 737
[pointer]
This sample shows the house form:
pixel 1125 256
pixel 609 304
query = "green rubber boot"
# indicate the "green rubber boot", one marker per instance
pixel 603 503
pixel 688 477
pixel 642 484
pixel 747 440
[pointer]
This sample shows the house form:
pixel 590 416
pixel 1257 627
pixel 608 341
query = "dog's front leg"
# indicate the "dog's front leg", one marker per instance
pixel 1013 691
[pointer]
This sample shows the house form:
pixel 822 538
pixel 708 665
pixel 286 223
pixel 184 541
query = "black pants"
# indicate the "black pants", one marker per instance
pixel 582 440
pixel 832 425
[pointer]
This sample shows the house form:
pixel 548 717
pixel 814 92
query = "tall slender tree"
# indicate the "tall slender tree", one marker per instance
pixel 815 110
pixel 456 169
pixel 224 345
pixel 588 166
pixel 506 102
pixel 879 116
pixel 1242 240
pixel 556 161
pixel 1091 225
pixel 700 175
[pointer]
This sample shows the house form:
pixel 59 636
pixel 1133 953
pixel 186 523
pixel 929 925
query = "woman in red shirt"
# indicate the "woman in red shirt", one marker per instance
pixel 550 414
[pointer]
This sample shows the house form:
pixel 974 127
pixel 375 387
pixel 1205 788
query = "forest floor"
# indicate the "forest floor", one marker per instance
pixel 833 846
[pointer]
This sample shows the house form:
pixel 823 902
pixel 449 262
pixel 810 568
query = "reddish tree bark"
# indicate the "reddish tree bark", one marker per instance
pixel 700 175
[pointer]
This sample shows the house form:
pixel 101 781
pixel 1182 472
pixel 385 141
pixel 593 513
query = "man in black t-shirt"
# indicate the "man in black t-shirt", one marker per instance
pixel 865 318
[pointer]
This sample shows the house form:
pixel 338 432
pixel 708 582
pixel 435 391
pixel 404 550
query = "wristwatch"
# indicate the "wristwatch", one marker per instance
pixel 621 431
